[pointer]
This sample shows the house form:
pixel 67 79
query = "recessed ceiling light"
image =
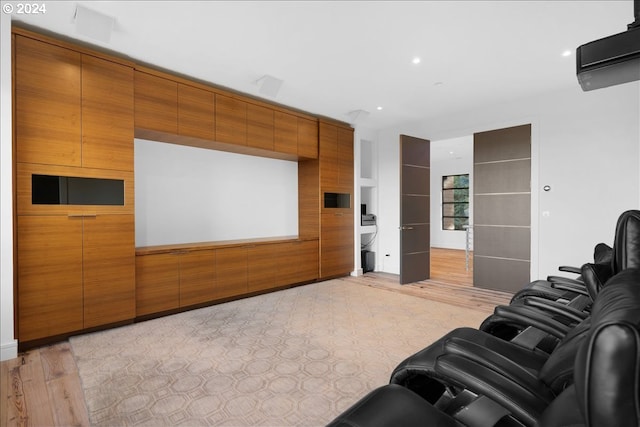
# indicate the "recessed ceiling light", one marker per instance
pixel 438 83
pixel 566 53
pixel 378 108
pixel 416 60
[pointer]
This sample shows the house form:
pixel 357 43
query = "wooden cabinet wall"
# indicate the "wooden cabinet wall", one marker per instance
pixel 336 224
pixel 260 127
pixel 172 111
pixel 336 254
pixel 270 265
pixel 157 283
pixel 72 109
pixel 196 112
pixel 77 112
pixel 167 281
pixel 156 103
pixel 74 118
pixel 172 278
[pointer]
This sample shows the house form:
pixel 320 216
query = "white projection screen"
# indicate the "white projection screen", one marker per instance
pixel 187 195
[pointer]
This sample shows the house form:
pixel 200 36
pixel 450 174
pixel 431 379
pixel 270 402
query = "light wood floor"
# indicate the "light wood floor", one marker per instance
pixel 42 387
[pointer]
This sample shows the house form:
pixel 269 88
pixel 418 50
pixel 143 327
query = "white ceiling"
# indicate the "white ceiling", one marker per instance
pixel 341 56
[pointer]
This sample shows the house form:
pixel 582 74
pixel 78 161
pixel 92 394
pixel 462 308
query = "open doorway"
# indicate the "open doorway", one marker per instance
pixel 452 211
pixel 493 250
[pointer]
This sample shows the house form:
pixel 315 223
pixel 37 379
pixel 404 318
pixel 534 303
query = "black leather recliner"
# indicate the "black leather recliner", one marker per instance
pixel 561 288
pixel 605 377
pixel 509 321
pixel 537 332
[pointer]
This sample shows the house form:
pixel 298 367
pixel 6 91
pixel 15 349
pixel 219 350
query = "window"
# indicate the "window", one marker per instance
pixel 455 202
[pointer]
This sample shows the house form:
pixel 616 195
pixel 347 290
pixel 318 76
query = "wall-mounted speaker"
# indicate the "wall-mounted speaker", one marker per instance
pixel 93 24
pixel 269 86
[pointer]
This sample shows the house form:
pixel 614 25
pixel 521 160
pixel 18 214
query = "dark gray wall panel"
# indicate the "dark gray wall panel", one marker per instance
pixel 502 177
pixel 500 274
pixel 417 238
pixel 415 209
pixel 502 209
pixel 414 151
pixel 416 267
pixel 503 144
pixel 416 180
pixel 503 242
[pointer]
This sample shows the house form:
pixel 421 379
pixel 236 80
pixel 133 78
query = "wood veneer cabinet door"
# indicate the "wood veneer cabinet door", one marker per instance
pixel 108 269
pixel 157 283
pixel 307 138
pixel 196 112
pixel 231 120
pixel 336 244
pixel 286 133
pixel 308 260
pixel 287 263
pixel 345 160
pixel 49 276
pixel 156 103
pixel 309 199
pixel 336 158
pixel 329 167
pixel 197 277
pixel 107 114
pixel 231 272
pixel 47 103
pixel 262 266
pixel 260 127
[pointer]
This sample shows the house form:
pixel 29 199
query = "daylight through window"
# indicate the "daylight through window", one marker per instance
pixel 455 202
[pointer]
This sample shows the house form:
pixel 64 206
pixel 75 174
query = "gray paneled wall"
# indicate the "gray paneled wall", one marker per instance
pixel 502 208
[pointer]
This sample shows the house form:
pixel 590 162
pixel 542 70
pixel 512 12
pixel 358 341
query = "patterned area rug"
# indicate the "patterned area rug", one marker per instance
pixel 296 357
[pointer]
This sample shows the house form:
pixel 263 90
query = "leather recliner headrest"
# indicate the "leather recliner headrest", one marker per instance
pixel 607 369
pixel 626 245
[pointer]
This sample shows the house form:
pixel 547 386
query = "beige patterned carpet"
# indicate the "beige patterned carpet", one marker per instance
pixel 297 357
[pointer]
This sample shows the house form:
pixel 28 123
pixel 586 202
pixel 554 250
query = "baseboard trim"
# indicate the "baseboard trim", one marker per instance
pixel 9 350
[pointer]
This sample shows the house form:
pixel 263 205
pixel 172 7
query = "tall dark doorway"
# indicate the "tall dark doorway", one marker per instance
pixel 502 208
pixel 414 209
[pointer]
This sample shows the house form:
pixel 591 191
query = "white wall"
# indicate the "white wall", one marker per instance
pixel 584 145
pixel 8 345
pixel 187 194
pixel 461 162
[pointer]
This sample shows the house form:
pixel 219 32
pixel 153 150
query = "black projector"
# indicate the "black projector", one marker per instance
pixel 612 60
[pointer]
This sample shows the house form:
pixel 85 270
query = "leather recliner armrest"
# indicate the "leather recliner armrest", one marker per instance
pixel 565 286
pixel 570 269
pixel 554 307
pixel 527 316
pixel 519 400
pixel 497 362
